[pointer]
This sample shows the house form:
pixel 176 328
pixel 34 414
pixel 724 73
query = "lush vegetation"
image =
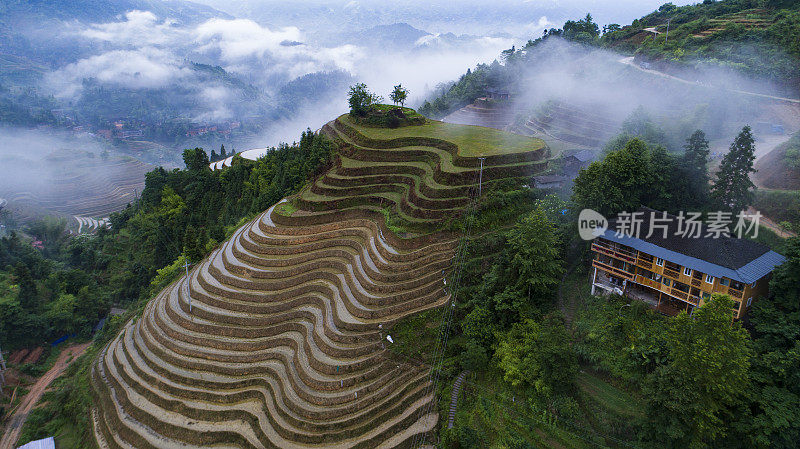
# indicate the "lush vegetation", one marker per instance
pixel 754 37
pixel 69 284
pixel 782 205
pixel 613 372
pixel 472 141
pixel 550 365
pixel 50 292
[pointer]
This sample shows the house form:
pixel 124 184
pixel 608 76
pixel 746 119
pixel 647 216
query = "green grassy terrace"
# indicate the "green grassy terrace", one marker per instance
pixel 472 141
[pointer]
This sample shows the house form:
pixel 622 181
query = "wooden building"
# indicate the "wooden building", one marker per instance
pixel 678 273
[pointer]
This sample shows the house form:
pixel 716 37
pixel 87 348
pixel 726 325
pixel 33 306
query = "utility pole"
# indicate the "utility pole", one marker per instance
pixel 188 291
pixel 666 38
pixel 2 369
pixel 480 178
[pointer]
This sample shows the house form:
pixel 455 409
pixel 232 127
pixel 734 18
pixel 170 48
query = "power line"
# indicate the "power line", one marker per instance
pixel 444 332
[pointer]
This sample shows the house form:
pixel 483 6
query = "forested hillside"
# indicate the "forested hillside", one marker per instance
pixel 70 284
pixel 749 37
pixel 759 38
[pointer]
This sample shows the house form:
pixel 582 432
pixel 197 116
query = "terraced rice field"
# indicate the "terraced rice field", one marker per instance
pixel 77 186
pixel 750 19
pixel 89 225
pixel 483 113
pixel 576 125
pixel 277 338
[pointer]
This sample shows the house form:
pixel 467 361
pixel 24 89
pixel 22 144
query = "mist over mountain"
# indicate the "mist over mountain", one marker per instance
pixel 185 74
pixel 519 18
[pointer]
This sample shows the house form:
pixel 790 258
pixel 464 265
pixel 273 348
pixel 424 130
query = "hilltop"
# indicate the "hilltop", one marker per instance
pixel 756 38
pixel 276 339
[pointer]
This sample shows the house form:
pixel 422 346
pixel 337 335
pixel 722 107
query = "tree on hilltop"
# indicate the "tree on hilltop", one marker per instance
pixel 733 189
pixel 399 95
pixel 361 99
pixel 584 30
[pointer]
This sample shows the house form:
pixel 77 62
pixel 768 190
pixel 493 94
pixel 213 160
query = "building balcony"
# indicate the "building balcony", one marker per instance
pixel 674 292
pixel 648 282
pixel 613 270
pixel 664 306
pixel 671 273
pixel 735 293
pixel 615 252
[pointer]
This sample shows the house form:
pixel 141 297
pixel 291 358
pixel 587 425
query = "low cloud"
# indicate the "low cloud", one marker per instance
pixel 138 29
pixel 241 38
pixel 144 68
pixel 216 100
pixel 243 46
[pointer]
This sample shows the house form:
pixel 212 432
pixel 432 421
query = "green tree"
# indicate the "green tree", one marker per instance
pixel 399 95
pixel 687 177
pixel 222 152
pixel 691 398
pixel 587 26
pixel 538 356
pixel 27 295
pixel 696 154
pixel 733 189
pixel 196 159
pixel 640 124
pixel 784 287
pixel 361 99
pixel 620 182
pixel 772 417
pixel 667 7
pixel 536 260
pixel 60 314
pixel 192 244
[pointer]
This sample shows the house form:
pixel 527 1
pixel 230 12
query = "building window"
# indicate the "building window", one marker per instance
pixel 749 301
pixel 709 279
pixel 660 262
pixel 724 281
pixel 687 271
pixel 666 282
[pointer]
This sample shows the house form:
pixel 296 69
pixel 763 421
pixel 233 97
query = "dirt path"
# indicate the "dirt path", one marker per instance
pixel 771 225
pixel 629 61
pixel 14 427
pixel 567 307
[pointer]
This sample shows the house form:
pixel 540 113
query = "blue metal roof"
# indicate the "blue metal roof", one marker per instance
pixel 749 273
